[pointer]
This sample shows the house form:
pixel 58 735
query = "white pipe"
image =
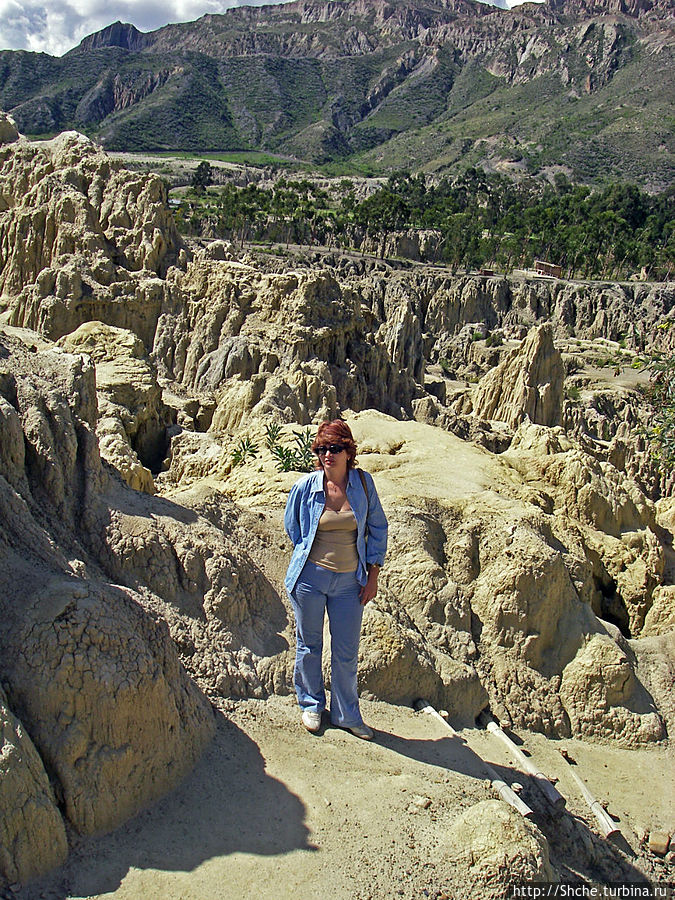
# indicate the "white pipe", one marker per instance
pixel 500 786
pixel 424 706
pixel 605 821
pixel 554 797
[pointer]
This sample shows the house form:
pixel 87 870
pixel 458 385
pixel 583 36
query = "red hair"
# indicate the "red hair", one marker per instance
pixel 336 432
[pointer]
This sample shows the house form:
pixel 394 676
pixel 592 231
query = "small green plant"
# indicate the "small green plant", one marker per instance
pixel 303 440
pixel 286 458
pixel 661 431
pixel 476 336
pixel 272 434
pixel 445 365
pixel 290 459
pixel 573 365
pixel 609 362
pixel 244 450
pixel 572 392
pixel 494 340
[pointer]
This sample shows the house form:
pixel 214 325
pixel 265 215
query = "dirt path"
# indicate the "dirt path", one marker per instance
pixel 273 812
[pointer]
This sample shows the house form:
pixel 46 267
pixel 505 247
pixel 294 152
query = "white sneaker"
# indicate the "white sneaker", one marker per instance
pixel 311 720
pixel 362 731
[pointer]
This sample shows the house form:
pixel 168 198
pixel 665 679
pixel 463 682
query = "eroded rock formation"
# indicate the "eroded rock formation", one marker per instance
pixel 132 418
pixel 8 130
pixel 90 673
pixel 297 344
pixel 527 384
pixel 80 238
pixel 525 562
pixel 489 840
pixel 32 833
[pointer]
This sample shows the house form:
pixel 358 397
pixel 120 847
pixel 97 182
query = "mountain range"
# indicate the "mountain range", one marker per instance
pixel 582 86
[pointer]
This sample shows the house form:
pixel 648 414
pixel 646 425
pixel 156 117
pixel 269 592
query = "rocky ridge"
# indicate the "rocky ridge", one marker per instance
pixel 323 81
pixel 521 579
pixel 78 651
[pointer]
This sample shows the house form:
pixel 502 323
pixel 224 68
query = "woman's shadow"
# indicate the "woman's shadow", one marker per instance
pixel 227 804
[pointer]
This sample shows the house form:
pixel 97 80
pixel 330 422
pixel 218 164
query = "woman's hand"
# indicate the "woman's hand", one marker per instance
pixel 369 589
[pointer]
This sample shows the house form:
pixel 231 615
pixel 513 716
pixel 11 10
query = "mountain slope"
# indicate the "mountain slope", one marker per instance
pixel 444 83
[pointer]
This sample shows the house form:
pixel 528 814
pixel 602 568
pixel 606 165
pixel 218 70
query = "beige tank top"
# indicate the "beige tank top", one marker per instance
pixel 334 544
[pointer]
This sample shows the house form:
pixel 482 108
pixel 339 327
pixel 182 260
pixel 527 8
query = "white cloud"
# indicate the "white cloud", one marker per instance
pixel 56 26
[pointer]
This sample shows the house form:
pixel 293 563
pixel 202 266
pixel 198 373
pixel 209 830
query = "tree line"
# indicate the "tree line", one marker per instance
pixel 481 220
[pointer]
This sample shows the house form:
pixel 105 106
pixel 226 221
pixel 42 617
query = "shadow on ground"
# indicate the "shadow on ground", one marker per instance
pixel 227 804
pixel 577 852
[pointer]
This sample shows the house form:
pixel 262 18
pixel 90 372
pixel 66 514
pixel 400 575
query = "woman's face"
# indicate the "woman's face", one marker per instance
pixel 334 464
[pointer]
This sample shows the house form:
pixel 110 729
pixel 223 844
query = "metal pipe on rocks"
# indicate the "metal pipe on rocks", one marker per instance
pixel 604 820
pixel 500 786
pixel 554 797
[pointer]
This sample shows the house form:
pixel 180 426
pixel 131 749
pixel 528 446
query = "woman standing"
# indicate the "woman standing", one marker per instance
pixel 339 532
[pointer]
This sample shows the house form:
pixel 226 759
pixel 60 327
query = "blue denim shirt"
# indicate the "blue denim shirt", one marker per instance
pixel 305 504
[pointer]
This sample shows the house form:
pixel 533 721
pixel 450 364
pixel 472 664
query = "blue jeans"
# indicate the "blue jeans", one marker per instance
pixel 318 589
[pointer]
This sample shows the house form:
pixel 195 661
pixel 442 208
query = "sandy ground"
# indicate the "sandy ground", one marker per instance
pixel 273 812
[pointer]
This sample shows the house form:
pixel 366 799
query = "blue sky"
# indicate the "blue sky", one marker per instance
pixel 57 25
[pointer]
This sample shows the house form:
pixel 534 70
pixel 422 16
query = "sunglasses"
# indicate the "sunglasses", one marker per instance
pixel 334 449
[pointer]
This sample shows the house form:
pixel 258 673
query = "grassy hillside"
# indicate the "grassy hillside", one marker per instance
pixel 407 84
pixel 624 130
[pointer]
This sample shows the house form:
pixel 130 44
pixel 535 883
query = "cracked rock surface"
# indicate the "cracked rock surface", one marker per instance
pixel 530 569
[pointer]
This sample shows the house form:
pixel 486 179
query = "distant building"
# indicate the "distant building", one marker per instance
pixel 545 268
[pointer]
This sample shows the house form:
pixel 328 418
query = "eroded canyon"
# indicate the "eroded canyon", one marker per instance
pixel 530 569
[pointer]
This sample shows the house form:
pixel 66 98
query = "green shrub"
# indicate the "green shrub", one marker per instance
pixel 304 440
pixel 272 434
pixel 244 450
pixel 285 458
pixel 661 431
pixel 299 458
